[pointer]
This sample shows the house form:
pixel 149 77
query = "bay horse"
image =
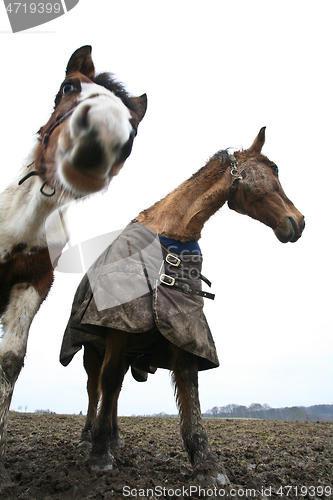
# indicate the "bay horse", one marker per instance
pixel 83 145
pixel 165 326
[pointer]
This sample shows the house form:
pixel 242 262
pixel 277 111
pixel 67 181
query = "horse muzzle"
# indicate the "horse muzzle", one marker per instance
pixel 290 231
pixel 92 143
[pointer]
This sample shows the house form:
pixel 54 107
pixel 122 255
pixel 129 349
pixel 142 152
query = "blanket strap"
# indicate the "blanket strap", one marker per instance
pixel 176 262
pixel 165 279
pixel 173 260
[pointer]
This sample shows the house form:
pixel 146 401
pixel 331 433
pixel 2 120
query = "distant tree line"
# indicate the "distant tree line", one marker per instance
pixel 265 412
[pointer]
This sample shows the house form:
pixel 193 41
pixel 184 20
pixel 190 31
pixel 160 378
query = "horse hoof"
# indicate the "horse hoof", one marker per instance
pixel 222 479
pixel 84 447
pixel 216 479
pixel 101 463
pixel 97 468
pixel 116 443
pixel 211 473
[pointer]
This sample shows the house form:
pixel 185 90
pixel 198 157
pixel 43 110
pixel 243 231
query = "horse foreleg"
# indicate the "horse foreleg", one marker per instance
pixel 185 378
pixel 23 305
pixel 92 362
pixel 104 430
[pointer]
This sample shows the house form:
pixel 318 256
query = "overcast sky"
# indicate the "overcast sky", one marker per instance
pixel 215 72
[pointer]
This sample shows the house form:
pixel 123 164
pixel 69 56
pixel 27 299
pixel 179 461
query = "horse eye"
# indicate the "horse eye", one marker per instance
pixel 275 168
pixel 68 87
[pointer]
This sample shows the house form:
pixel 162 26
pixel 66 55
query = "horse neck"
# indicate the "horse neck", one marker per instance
pixel 183 212
pixel 23 212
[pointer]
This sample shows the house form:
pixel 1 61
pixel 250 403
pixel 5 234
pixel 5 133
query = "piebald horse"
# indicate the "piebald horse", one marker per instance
pixel 82 146
pixel 249 183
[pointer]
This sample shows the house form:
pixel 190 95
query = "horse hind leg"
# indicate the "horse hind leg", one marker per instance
pixel 115 441
pixel 104 429
pixel 185 379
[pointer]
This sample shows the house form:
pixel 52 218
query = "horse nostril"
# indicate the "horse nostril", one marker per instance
pixel 297 228
pixel 81 118
pixel 293 225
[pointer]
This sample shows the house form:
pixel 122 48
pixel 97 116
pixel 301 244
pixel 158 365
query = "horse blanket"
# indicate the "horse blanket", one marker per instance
pixel 137 285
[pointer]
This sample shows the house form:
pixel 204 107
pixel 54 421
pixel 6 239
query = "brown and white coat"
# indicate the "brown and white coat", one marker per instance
pixel 82 146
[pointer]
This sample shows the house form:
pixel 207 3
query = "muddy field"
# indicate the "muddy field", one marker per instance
pixel 263 459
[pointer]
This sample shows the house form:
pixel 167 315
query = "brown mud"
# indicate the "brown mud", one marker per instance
pixel 263 459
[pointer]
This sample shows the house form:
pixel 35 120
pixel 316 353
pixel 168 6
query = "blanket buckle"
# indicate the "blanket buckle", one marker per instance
pixel 172 260
pixel 167 280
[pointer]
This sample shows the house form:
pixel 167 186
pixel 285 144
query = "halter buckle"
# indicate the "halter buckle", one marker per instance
pixel 172 260
pixel 167 280
pixel 48 195
pixel 234 170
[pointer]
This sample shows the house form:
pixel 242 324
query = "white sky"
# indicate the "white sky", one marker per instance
pixel 215 72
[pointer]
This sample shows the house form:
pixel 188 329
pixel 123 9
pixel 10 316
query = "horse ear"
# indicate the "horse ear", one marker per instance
pixel 258 142
pixel 140 105
pixel 81 61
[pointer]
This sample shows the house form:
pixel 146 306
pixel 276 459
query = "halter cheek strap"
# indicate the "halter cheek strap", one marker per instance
pixel 236 176
pixel 45 141
pixel 47 135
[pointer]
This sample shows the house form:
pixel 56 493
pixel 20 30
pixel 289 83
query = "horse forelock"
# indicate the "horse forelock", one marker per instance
pixel 222 155
pixel 110 82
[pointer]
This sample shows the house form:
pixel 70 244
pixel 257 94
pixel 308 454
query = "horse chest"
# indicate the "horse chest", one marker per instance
pixel 26 266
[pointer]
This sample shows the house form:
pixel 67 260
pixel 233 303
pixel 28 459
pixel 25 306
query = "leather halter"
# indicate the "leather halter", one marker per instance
pixel 236 176
pixel 47 135
pixel 45 141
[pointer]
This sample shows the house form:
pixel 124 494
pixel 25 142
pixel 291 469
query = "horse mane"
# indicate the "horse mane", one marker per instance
pixel 223 155
pixel 110 82
pixel 221 158
pixel 209 174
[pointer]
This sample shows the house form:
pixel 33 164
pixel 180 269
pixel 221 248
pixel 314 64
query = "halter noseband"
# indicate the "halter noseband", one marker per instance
pixel 45 141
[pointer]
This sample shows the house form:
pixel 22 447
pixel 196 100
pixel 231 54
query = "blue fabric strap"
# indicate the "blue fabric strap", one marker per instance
pixel 177 246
